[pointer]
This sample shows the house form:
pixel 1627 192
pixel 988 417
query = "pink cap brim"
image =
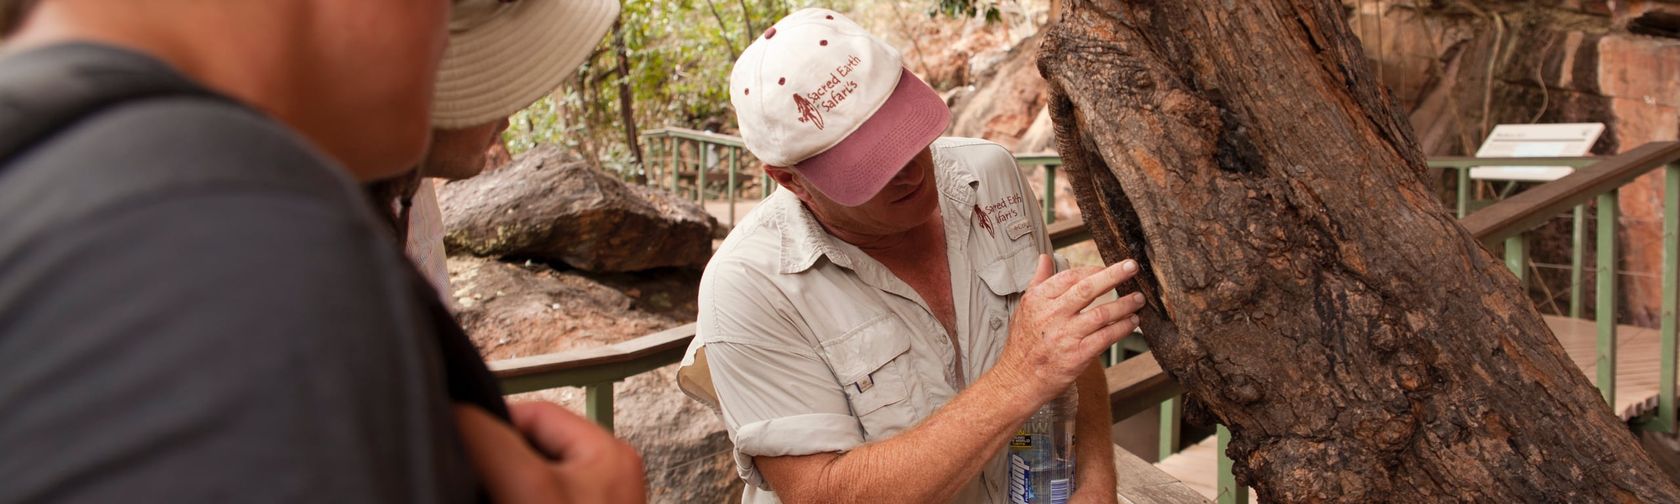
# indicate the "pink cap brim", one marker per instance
pixel 851 172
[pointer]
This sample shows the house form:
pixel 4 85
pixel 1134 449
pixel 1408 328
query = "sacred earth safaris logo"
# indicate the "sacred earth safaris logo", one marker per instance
pixel 808 111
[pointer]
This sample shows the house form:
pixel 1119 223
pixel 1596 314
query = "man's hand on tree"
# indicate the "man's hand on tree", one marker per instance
pixel 1053 337
pixel 579 462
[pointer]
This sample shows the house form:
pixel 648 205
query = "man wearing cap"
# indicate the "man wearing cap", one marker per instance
pixel 878 331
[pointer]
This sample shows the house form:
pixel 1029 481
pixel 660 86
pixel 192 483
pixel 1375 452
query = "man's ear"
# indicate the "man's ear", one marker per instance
pixel 788 180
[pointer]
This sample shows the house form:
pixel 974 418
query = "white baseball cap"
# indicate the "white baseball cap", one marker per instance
pixel 819 94
pixel 504 55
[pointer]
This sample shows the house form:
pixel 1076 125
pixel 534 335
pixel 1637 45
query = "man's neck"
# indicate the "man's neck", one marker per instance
pixel 908 242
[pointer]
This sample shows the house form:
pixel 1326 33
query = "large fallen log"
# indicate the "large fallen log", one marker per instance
pixel 1304 284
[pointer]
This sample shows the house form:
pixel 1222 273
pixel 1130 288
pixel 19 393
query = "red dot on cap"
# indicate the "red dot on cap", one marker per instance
pixel 746 91
pixel 829 17
pixel 782 81
pixel 769 33
pixel 823 43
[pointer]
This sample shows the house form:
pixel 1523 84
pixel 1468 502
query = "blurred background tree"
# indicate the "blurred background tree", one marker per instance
pixel 678 55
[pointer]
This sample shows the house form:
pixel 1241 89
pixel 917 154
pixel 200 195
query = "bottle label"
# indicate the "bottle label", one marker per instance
pixel 1022 440
pixel 1059 490
pixel 1020 481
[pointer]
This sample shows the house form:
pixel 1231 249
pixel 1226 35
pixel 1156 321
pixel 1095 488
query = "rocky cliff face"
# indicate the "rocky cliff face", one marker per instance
pixel 1462 68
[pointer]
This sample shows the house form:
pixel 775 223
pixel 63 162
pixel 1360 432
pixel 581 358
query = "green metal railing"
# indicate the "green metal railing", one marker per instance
pixel 678 153
pixel 668 165
pixel 1516 249
pixel 1137 384
pixel 1051 162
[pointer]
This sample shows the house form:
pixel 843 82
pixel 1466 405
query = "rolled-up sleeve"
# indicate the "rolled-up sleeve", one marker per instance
pixel 777 395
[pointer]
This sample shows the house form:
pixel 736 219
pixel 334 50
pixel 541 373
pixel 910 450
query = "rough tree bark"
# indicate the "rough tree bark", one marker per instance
pixel 1304 284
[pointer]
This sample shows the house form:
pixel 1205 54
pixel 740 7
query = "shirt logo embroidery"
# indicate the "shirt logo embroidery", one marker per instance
pixel 985 223
pixel 1004 210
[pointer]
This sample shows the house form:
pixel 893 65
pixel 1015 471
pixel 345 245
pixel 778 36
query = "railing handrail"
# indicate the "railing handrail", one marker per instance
pixel 703 136
pixel 594 364
pixel 1137 384
pixel 1471 162
pixel 1528 209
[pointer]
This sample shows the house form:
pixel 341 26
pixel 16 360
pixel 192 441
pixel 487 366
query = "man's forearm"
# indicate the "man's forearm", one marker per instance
pixel 1095 450
pixel 927 463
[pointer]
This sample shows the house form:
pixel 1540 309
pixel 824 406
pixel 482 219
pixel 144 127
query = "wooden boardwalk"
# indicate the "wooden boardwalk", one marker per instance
pixel 1137 482
pixel 1637 362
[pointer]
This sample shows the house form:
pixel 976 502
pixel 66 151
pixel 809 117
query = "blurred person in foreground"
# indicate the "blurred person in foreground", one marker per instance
pixel 196 303
pixel 879 331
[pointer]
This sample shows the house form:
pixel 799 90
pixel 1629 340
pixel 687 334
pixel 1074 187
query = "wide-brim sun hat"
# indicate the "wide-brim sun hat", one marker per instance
pixel 504 55
pixel 820 95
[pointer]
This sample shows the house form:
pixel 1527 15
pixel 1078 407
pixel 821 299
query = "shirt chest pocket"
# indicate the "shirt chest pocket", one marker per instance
pixel 1011 273
pixel 872 364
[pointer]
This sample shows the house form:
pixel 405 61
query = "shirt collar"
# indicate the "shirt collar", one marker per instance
pixel 804 240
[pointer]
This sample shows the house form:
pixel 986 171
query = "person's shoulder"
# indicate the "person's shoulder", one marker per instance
pixel 194 141
pixel 983 157
pixel 755 241
pixel 160 149
pixel 971 148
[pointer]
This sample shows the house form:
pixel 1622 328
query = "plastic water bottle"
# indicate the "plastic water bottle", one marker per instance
pixel 1041 469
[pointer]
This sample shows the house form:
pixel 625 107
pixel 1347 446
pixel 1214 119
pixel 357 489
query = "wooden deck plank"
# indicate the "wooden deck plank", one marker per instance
pixel 1638 358
pixel 1195 466
pixel 1136 481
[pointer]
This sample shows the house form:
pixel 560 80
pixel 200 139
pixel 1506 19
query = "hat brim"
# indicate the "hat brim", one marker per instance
pixel 502 66
pixel 854 170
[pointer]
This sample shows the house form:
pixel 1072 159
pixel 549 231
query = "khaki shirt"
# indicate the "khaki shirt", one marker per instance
pixel 815 347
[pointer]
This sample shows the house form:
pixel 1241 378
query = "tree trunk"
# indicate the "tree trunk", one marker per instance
pixel 1303 282
pixel 625 103
pixel 626 109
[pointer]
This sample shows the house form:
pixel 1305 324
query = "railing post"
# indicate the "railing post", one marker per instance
pixel 654 151
pixel 1172 410
pixel 1606 316
pixel 598 404
pixel 1516 257
pixel 700 171
pixel 1670 296
pixel 734 166
pixel 1463 191
pixel 1229 491
pixel 1049 194
pixel 1576 256
pixel 676 165
pixel 673 151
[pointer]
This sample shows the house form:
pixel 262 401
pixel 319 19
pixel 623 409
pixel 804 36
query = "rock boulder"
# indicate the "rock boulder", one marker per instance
pixel 551 207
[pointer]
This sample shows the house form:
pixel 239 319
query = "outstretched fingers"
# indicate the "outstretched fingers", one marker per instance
pixel 1099 341
pixel 1087 289
pixel 1107 313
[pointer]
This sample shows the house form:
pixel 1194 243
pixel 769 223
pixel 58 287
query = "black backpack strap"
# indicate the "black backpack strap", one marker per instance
pixel 45 91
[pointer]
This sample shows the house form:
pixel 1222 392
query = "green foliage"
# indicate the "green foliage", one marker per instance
pixel 680 53
pixel 969 9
